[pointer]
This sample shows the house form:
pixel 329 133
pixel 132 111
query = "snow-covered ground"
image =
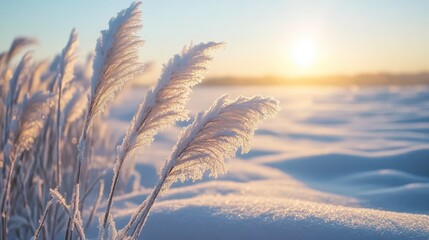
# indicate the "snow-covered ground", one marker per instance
pixel 336 163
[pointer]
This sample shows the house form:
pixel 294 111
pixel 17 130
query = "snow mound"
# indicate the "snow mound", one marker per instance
pixel 240 217
pixel 337 163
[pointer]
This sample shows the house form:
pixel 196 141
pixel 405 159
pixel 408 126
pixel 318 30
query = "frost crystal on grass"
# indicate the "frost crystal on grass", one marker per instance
pixel 39 154
pixel 215 136
pixel 31 117
pixel 164 104
pixel 212 138
pixel 116 57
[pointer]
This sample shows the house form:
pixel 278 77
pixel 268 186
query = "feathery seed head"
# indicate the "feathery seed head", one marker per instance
pixel 68 59
pixel 31 117
pixel 116 57
pixel 215 136
pixel 165 103
pixel 17 45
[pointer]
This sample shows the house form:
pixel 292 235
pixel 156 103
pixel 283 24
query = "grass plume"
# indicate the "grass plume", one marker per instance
pixel 56 146
pixel 164 104
pixel 212 138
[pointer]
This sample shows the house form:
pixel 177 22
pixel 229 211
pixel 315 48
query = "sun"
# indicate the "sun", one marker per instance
pixel 304 53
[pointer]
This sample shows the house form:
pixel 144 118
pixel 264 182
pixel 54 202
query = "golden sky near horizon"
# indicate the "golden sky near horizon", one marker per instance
pixel 276 38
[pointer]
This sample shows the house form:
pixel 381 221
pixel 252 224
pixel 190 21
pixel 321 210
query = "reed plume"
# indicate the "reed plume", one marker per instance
pixel 116 61
pixel 12 93
pixel 65 75
pixel 31 116
pixel 164 104
pixel 38 131
pixel 212 138
pixel 116 57
pixel 17 45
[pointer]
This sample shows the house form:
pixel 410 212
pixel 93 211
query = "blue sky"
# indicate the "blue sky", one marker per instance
pixel 348 36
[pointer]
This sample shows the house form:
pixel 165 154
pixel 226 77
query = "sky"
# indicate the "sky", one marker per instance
pixel 264 38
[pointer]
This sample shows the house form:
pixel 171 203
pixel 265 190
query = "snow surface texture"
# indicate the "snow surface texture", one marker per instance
pixel 336 163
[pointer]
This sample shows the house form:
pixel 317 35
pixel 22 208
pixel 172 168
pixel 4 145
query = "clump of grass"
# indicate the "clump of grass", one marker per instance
pixel 50 132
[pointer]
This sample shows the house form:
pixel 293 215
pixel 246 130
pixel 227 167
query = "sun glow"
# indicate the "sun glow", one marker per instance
pixel 304 53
